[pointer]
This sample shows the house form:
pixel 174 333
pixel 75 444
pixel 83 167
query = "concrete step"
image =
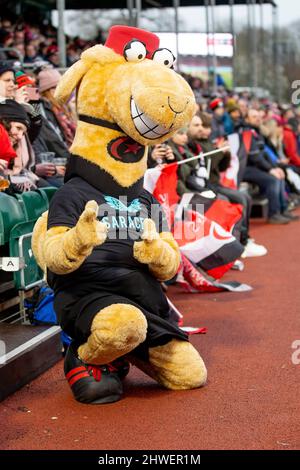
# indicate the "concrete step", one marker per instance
pixel 26 351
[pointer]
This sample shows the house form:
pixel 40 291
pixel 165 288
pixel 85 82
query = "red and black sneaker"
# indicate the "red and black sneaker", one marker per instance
pixel 89 383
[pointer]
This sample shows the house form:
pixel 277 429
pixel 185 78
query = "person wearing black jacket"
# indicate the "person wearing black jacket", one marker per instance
pixel 200 131
pixel 262 172
pixel 50 139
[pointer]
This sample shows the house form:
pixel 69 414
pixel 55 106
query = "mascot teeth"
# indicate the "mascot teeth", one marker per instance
pixel 144 124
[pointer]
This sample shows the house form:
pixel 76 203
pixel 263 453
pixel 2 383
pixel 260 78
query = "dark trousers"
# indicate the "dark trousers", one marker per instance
pixel 56 181
pixel 271 187
pixel 239 197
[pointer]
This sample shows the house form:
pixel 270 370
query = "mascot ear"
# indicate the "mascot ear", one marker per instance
pixel 70 80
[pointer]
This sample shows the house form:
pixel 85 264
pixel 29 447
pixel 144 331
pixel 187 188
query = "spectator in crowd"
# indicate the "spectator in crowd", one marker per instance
pixel 218 121
pixel 31 54
pixel 267 175
pixel 59 115
pixel 180 151
pixel 58 127
pixel 7 153
pixel 7 80
pixel 200 135
pixel 290 141
pixel 234 119
pixel 160 154
pixel 273 134
pixel 6 41
pixel 15 120
pixel 243 107
pixel 287 114
pixel 52 55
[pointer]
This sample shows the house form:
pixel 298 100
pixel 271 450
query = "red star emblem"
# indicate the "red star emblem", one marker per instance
pixel 132 148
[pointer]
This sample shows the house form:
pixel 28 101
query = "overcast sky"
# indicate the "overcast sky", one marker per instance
pixel 289 11
pixel 191 18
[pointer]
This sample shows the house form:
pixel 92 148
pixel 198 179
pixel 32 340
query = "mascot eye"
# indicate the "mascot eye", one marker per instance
pixel 135 51
pixel 164 57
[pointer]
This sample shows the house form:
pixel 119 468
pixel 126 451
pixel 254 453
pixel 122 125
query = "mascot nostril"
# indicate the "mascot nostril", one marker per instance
pixel 105 243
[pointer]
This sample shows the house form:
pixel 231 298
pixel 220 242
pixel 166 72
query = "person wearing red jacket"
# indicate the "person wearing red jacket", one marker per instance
pixel 7 152
pixel 290 142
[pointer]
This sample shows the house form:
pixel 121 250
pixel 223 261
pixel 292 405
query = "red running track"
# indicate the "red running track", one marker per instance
pixel 252 397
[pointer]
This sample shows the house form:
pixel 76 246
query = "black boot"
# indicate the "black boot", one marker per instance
pixel 89 383
pixel 122 367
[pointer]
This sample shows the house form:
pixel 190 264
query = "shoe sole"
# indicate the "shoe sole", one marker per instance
pixel 103 401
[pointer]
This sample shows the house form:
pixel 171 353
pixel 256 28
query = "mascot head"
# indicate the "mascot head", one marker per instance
pixel 128 97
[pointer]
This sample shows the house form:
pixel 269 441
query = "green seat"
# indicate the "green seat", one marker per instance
pixel 48 191
pixel 33 203
pixel 11 214
pixel 20 246
pixel 1 230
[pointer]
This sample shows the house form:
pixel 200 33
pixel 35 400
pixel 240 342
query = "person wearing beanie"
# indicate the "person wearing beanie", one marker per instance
pixel 61 117
pixel 24 173
pixel 22 79
pixel 12 111
pixel 58 128
pixel 215 104
pixel 48 79
pixel 52 55
pixel 232 118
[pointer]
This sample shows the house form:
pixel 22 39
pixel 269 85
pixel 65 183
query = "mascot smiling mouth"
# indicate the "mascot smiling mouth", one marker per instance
pixel 145 126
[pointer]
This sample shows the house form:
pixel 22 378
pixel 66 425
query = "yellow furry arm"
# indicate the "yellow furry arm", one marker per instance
pixel 159 251
pixel 65 249
pixel 167 265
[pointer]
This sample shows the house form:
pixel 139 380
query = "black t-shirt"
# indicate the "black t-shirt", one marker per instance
pixel 110 274
pixel 124 219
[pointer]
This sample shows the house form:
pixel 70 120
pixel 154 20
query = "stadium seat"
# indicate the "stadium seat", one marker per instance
pixel 48 191
pixel 11 214
pixel 260 204
pixel 1 231
pixel 33 203
pixel 20 246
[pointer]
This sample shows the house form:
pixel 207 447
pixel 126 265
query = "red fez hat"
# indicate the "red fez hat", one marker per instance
pixel 119 36
pixel 217 102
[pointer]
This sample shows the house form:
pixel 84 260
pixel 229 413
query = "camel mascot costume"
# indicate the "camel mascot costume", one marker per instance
pixel 104 242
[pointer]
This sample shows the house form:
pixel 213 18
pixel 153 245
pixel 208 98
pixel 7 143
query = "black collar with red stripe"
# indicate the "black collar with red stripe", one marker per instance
pixel 100 122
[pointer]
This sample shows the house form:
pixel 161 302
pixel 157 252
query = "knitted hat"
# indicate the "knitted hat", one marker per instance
pixel 13 112
pixel 120 36
pixel 22 79
pixel 52 49
pixel 48 78
pixel 216 103
pixel 232 107
pixel 6 66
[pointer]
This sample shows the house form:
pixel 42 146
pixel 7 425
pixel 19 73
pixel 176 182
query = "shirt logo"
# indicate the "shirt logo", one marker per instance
pixel 134 206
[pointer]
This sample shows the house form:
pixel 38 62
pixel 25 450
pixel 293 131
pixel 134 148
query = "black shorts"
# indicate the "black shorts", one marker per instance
pixel 76 308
